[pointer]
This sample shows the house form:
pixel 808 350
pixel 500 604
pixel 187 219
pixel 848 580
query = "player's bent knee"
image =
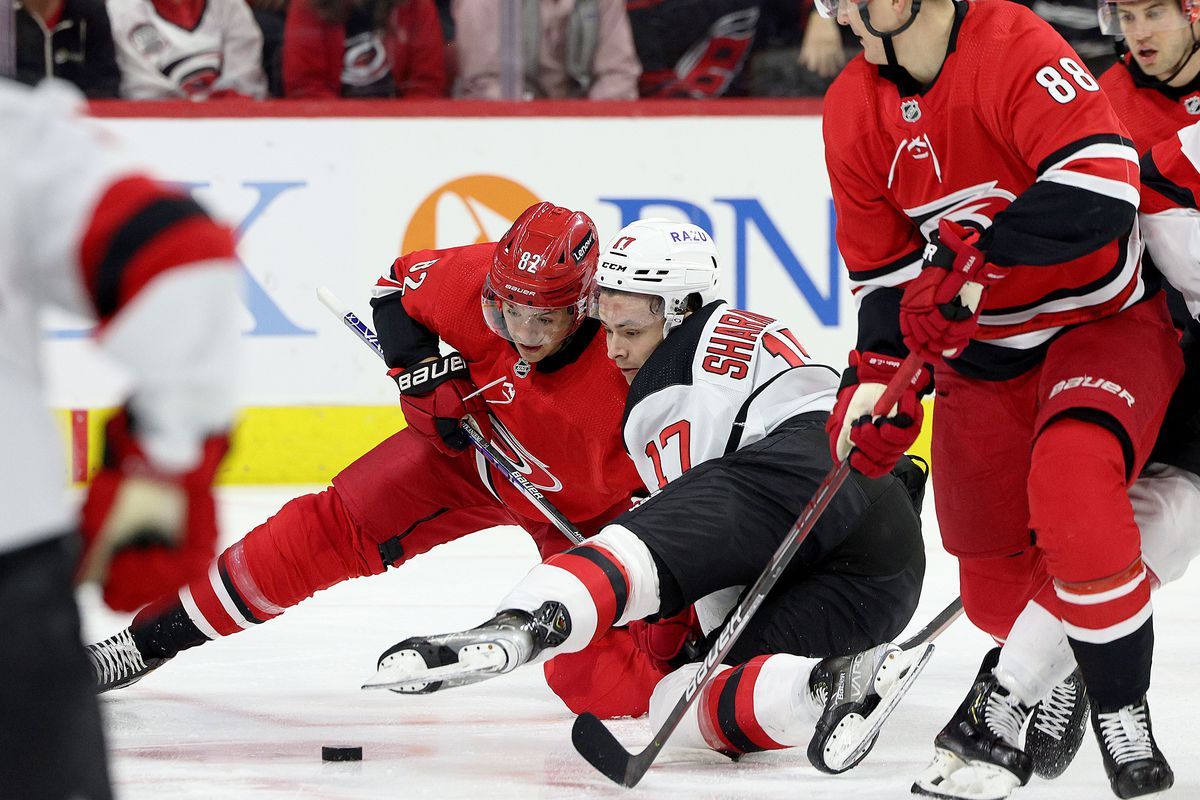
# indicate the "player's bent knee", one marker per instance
pixel 1078 506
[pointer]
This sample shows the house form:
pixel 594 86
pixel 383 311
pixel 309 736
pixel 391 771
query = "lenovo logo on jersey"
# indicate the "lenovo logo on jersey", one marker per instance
pixel 1088 382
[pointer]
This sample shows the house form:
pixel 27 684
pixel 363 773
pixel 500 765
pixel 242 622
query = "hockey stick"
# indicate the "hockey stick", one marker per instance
pixel 497 459
pixel 936 626
pixel 596 743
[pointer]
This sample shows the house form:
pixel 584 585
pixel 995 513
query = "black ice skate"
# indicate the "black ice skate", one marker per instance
pixel 425 664
pixel 1134 764
pixel 118 663
pixel 1056 727
pixel 859 693
pixel 977 756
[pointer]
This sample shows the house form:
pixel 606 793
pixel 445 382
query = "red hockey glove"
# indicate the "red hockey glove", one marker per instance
pixel 939 312
pixel 434 396
pixel 874 444
pixel 664 640
pixel 147 532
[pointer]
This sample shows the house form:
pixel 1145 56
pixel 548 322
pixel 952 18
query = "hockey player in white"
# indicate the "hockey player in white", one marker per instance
pixel 84 231
pixel 725 421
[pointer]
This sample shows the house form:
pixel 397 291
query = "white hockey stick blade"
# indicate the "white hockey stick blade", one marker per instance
pixel 406 672
pixel 855 734
pixel 952 778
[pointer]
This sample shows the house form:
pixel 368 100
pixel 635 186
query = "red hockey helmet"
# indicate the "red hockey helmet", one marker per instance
pixel 537 289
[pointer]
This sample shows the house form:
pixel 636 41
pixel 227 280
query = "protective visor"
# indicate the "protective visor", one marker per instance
pixel 531 326
pixel 1127 19
pixel 829 8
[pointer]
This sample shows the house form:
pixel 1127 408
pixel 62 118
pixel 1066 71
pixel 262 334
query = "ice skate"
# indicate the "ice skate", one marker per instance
pixel 425 664
pixel 977 754
pixel 1135 765
pixel 118 663
pixel 1056 727
pixel 859 693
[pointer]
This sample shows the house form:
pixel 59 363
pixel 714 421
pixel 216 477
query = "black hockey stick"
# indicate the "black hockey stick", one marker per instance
pixel 497 459
pixel 936 626
pixel 596 743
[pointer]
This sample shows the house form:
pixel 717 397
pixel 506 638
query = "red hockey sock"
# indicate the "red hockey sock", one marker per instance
pixel 603 576
pixel 727 716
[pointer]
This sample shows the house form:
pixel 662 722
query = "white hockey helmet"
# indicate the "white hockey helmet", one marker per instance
pixel 661 258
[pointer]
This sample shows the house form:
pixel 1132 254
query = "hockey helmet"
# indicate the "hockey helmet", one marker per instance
pixel 1117 17
pixel 541 275
pixel 662 258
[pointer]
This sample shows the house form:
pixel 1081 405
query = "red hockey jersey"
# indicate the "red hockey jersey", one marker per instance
pixel 1015 137
pixel 1150 109
pixel 563 414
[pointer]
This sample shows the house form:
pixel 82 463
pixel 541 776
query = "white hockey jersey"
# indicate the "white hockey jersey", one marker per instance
pixel 722 380
pixel 161 59
pixel 177 336
pixel 1169 215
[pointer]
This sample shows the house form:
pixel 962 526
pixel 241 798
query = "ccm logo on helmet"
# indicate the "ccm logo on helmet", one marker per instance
pixel 584 247
pixel 431 371
pixel 1088 382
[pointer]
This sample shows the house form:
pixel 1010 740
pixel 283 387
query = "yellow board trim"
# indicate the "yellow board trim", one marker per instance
pixel 301 444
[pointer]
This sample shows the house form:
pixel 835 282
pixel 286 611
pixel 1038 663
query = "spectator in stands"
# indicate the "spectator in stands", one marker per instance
pixel 270 16
pixel 797 52
pixel 68 39
pixel 195 49
pixel 691 48
pixel 571 48
pixel 363 48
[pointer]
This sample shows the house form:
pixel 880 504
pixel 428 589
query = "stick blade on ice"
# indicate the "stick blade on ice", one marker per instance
pixel 594 742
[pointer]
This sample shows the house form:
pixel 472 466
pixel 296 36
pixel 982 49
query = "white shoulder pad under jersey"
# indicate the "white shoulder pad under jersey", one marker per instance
pixel 1169 216
pixel 722 380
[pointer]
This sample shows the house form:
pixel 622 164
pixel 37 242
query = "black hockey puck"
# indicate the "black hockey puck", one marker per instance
pixel 341 753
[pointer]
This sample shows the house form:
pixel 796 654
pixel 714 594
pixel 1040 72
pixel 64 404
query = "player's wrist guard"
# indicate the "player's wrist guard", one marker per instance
pixel 436 396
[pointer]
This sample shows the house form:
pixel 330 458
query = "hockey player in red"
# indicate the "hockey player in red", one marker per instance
pixel 986 196
pixel 1155 87
pixel 725 422
pixel 84 229
pixel 555 409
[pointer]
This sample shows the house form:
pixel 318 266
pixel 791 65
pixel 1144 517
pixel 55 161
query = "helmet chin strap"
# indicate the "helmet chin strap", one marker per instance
pixel 889 49
pixel 1183 62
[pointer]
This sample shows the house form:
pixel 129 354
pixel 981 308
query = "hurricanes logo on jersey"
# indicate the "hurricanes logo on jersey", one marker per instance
pixel 976 206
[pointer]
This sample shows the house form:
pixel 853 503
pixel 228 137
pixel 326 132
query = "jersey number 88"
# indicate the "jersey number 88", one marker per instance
pixel 1059 88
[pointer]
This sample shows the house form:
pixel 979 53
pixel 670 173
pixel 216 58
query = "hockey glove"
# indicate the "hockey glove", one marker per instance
pixel 874 444
pixel 669 639
pixel 939 312
pixel 147 532
pixel 434 396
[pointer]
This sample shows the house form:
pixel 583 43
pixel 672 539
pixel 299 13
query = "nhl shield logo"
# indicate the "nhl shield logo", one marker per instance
pixel 1192 105
pixel 910 110
pixel 522 368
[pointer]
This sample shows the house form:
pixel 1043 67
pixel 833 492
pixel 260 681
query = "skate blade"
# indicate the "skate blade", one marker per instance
pixel 951 778
pixel 405 671
pixel 855 734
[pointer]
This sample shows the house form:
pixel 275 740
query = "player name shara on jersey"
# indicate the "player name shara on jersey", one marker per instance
pixel 731 348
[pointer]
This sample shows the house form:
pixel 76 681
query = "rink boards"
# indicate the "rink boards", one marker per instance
pixel 332 200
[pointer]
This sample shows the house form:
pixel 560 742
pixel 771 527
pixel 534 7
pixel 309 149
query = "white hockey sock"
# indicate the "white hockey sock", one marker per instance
pixel 607 581
pixel 1036 656
pixel 762 705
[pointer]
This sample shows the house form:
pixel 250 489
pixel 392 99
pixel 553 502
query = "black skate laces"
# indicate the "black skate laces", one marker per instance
pixel 1126 733
pixel 1056 710
pixel 116 658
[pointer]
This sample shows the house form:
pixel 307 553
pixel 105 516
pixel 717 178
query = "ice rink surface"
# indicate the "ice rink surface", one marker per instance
pixel 246 717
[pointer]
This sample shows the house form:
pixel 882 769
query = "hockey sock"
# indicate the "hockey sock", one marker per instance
pixel 607 581
pixel 764 704
pixel 163 628
pixel 1036 656
pixel 1084 523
